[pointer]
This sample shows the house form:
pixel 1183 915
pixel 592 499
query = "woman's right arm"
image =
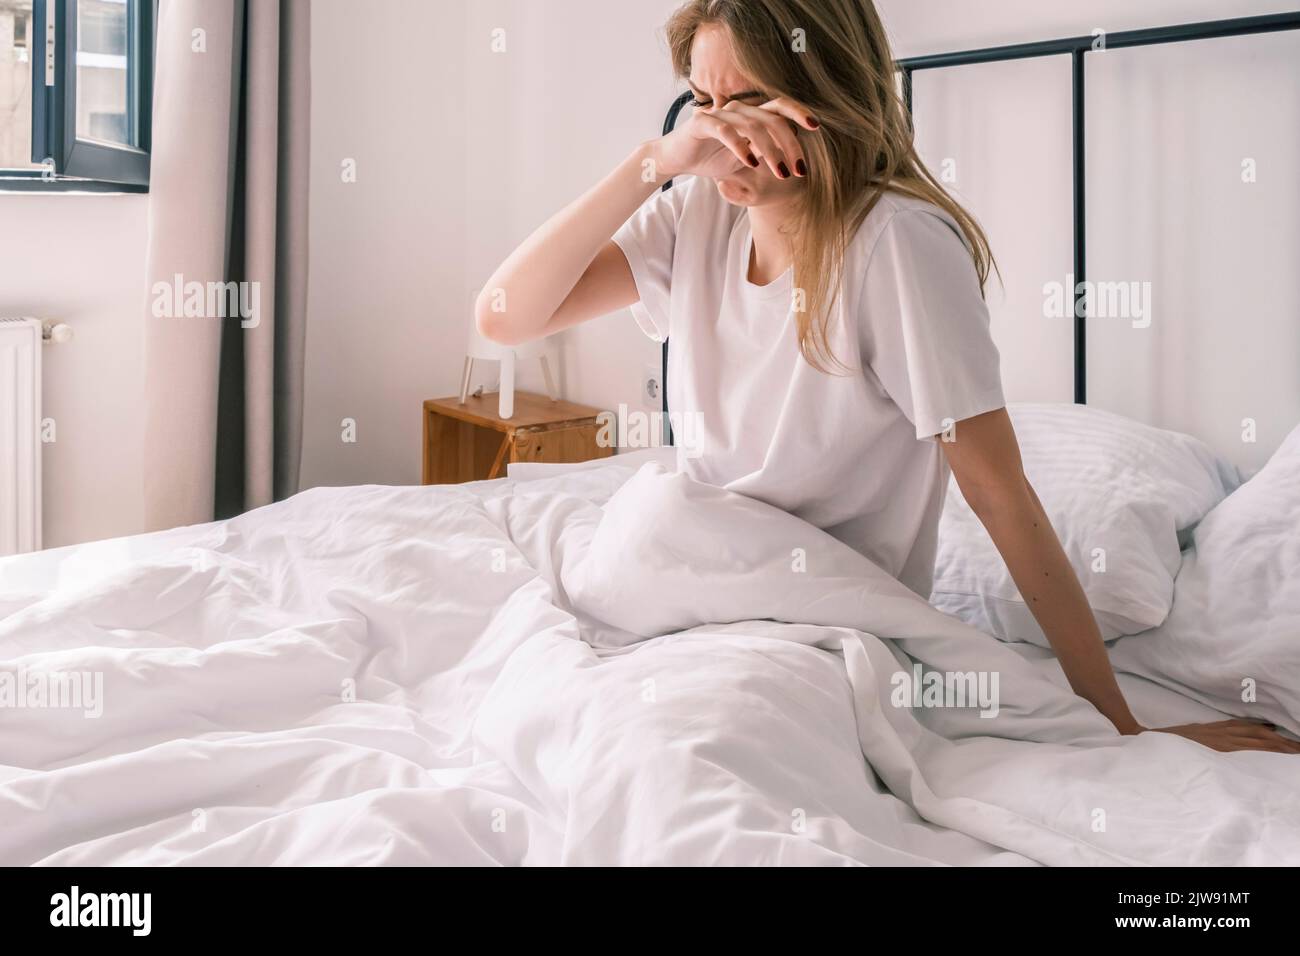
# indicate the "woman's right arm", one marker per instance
pixel 570 270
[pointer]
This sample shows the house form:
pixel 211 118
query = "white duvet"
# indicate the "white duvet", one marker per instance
pixel 607 667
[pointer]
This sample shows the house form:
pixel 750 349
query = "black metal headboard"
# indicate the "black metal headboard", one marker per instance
pixel 669 122
pixel 1076 48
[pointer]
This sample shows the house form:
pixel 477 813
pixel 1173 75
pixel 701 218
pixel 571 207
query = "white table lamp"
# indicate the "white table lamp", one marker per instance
pixel 482 349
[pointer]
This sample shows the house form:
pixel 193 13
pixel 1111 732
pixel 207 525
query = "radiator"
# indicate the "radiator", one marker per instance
pixel 20 435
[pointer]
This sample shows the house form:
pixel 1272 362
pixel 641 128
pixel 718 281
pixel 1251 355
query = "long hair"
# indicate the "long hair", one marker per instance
pixel 833 57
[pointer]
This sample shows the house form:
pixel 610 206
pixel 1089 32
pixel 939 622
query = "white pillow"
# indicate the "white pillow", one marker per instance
pixel 1236 616
pixel 1118 493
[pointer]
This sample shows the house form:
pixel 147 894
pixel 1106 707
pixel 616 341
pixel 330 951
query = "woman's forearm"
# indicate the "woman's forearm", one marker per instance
pixel 1033 554
pixel 529 287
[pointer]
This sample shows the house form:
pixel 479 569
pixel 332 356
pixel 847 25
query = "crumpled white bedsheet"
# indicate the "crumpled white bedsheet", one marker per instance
pixel 606 667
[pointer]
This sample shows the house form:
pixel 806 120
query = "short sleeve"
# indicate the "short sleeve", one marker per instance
pixel 924 326
pixel 647 240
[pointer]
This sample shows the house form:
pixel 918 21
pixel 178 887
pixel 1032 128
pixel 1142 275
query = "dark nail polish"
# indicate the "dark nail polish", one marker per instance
pixel 800 167
pixel 782 171
pixel 813 123
pixel 752 159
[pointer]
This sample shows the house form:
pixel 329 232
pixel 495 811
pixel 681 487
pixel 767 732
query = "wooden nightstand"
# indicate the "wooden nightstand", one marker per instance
pixel 471 441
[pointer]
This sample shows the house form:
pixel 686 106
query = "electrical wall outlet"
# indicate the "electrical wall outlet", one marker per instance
pixel 652 387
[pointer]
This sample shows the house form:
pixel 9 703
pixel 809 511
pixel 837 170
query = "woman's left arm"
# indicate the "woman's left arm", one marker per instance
pixel 985 460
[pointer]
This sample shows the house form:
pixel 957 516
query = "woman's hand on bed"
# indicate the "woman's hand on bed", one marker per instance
pixel 1229 735
pixel 718 142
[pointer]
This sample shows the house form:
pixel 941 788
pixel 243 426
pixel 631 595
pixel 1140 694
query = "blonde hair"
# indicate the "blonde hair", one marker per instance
pixel 843 72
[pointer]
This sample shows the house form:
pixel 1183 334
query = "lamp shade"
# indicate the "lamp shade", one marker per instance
pixel 483 349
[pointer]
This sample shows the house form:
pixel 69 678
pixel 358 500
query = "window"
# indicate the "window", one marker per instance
pixel 15 84
pixel 76 88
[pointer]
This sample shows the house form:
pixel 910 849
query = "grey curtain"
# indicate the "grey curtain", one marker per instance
pixel 228 204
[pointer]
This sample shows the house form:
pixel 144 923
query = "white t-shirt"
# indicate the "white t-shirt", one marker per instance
pixel 853 454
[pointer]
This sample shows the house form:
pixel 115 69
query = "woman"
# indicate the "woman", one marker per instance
pixel 824 296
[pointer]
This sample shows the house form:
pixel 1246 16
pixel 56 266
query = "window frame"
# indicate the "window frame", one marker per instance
pixel 70 164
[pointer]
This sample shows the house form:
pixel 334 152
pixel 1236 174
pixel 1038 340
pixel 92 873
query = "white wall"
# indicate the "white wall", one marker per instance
pixel 1168 129
pixel 80 259
pixel 917 27
pixel 460 153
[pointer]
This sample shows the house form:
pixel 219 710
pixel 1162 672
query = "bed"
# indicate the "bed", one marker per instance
pixel 615 665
